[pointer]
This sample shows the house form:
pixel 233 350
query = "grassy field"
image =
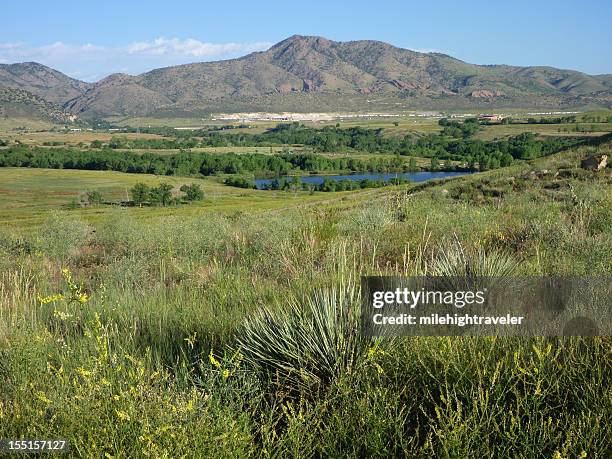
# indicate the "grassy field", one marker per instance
pixel 28 195
pixel 11 125
pixel 500 131
pixel 39 137
pixel 36 133
pixel 137 332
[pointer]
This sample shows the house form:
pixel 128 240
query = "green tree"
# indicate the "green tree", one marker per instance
pixel 140 193
pixel 94 197
pixel 162 195
pixel 192 192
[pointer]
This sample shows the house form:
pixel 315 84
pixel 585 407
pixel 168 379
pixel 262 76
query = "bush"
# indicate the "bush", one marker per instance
pixel 457 261
pixel 306 344
pixel 63 236
pixel 192 192
pixel 240 182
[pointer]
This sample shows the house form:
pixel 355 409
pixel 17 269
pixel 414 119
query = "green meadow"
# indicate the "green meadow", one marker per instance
pixel 29 195
pixel 228 327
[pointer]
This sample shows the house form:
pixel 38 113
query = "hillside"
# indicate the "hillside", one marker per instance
pixel 17 103
pixel 42 81
pixel 305 73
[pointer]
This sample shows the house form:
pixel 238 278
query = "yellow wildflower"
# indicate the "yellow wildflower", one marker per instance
pixel 122 415
pixel 49 299
pixel 82 297
pixel 213 360
pixel 40 395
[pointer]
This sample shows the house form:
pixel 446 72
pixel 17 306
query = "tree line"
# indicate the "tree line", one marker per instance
pixel 467 154
pixel 329 185
pixel 192 164
pixel 161 195
pixel 455 142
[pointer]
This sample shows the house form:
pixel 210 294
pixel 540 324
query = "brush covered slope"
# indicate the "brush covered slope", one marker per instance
pixel 42 81
pixel 313 73
pixel 20 104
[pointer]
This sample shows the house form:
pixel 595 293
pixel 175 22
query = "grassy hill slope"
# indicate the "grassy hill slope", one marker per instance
pixel 135 333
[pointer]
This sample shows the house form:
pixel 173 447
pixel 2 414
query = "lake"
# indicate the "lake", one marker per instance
pixel 318 179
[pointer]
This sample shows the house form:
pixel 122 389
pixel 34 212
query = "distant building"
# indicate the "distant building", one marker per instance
pixel 492 118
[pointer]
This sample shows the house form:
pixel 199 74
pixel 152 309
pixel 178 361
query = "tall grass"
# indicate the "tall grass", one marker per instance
pixel 238 336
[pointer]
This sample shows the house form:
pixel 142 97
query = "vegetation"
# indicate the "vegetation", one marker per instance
pixel 329 185
pixel 457 154
pixel 157 333
pixel 162 194
pixel 189 164
pixel 456 129
pixel 94 197
pixel 192 192
pixel 453 142
pixel 240 182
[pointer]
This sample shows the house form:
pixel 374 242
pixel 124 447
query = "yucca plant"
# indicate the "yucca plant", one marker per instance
pixel 470 269
pixel 456 261
pixel 304 345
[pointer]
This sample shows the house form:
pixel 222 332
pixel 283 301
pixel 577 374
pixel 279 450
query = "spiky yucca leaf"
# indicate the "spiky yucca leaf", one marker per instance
pixel 476 269
pixel 304 345
pixel 455 261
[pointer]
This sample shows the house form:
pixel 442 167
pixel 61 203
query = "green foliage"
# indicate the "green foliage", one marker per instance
pixel 94 197
pixel 188 164
pixel 469 152
pixel 434 164
pixel 140 193
pixel 63 235
pixel 192 192
pixel 457 261
pixel 161 195
pixel 133 350
pixel 240 182
pixel 330 185
pixel 304 345
pixel 466 129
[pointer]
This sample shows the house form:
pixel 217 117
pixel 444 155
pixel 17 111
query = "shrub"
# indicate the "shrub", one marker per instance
pixel 192 192
pixel 457 261
pixel 240 182
pixel 306 344
pixel 63 236
pixel 94 197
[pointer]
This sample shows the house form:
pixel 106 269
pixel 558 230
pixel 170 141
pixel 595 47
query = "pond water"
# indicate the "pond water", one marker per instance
pixel 412 176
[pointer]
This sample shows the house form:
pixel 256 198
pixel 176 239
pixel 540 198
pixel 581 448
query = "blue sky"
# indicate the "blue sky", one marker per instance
pixel 90 40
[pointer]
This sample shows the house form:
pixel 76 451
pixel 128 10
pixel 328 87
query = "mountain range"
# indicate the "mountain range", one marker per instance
pixel 305 73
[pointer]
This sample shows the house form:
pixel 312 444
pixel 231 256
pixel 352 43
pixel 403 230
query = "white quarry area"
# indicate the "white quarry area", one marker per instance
pixel 290 116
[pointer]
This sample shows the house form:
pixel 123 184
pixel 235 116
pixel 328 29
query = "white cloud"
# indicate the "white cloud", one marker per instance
pixel 427 50
pixel 8 46
pixel 191 47
pixel 92 62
